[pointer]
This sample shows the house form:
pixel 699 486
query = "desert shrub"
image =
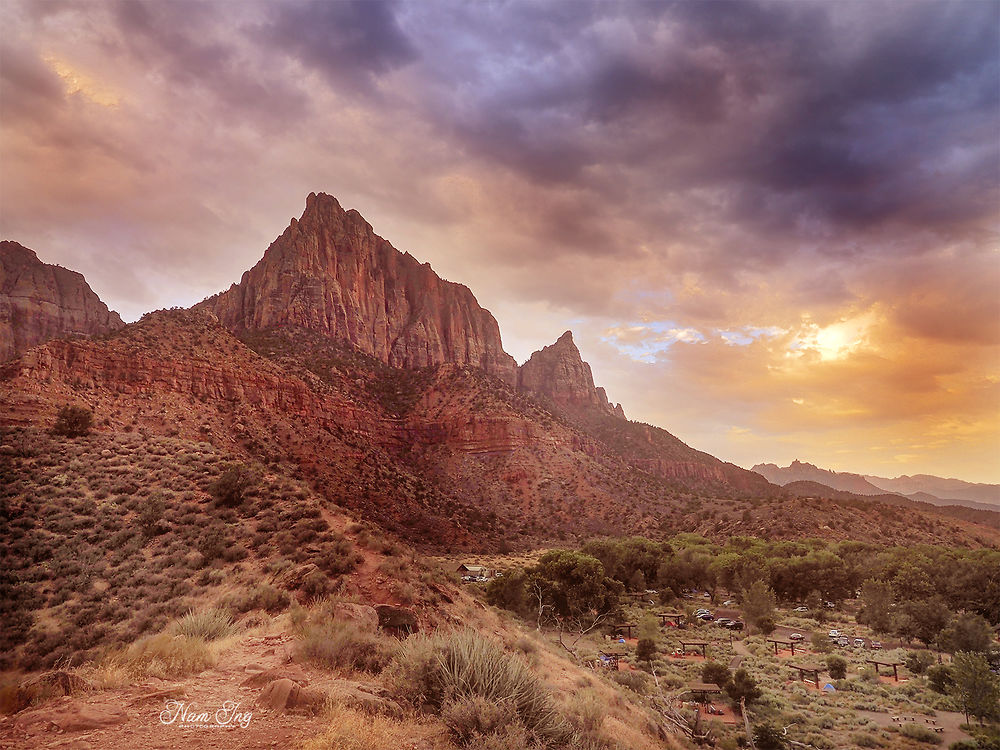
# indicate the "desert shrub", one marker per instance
pixel 451 667
pixel 265 597
pixel 73 421
pixel 207 624
pixel 837 667
pixel 919 733
pixel 586 711
pixel 316 584
pixel 474 716
pixel 863 739
pixel 743 687
pixel 341 645
pixel 233 484
pixel 152 514
pixel 768 737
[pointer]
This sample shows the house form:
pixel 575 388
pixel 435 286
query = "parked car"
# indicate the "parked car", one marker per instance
pixel 843 642
pixel 835 634
pixel 729 603
pixel 796 637
pixel 737 625
pixel 723 621
pixel 876 645
pixel 860 642
pixel 706 617
pixel 830 605
pixel 801 609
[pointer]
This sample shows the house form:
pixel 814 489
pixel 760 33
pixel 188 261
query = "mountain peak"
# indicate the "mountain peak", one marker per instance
pixel 39 301
pixel 329 272
pixel 558 372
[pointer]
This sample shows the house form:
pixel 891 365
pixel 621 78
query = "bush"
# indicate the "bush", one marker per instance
pixel 73 421
pixel 837 667
pixel 207 624
pixel 446 668
pixel 768 737
pixel 636 681
pixel 341 645
pixel 232 486
pixel 473 716
pixel 743 687
pixel 265 597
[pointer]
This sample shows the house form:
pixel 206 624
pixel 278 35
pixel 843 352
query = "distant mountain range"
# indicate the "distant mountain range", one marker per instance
pixel 921 487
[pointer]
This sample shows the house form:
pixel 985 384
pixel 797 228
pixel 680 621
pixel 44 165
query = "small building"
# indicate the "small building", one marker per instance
pixel 476 571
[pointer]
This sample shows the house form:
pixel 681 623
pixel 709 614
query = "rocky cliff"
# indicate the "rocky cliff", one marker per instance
pixel 329 272
pixel 559 373
pixel 39 302
pixel 799 471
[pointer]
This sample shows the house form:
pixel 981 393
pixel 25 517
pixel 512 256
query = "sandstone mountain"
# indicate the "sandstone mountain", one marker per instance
pixel 329 272
pixel 559 373
pixel 350 366
pixel 39 302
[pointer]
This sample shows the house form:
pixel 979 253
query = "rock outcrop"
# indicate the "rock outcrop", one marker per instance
pixel 39 302
pixel 330 272
pixel 559 373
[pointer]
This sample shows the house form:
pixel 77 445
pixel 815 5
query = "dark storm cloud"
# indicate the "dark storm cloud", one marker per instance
pixel 351 42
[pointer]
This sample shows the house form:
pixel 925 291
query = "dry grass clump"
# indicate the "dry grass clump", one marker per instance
pixel 207 624
pixel 164 656
pixel 478 687
pixel 342 645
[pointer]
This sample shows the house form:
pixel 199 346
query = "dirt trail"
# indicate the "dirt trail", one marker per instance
pixel 146 710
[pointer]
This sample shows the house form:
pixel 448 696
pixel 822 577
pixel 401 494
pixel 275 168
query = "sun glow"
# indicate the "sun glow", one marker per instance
pixel 80 83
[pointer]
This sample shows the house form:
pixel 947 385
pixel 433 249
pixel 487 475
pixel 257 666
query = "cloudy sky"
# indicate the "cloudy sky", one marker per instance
pixel 772 226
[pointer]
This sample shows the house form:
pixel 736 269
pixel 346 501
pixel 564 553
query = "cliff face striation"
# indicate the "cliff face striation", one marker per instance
pixel 39 302
pixel 329 272
pixel 559 373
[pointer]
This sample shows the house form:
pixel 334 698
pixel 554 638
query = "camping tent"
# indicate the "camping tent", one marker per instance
pixel 830 687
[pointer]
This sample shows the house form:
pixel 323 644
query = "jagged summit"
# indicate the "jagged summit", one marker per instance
pixel 39 301
pixel 329 272
pixel 558 372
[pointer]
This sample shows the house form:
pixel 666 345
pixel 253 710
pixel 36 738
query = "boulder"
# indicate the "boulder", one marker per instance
pixel 291 672
pixel 288 695
pixel 365 617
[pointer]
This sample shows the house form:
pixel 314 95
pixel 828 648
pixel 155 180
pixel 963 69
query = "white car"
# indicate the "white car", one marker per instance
pixel 801 609
pixel 728 603
pixel 860 642
pixel 834 634
pixel 796 637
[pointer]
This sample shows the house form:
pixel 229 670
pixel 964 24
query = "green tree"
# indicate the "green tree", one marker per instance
pixel 967 632
pixel 918 661
pixel 758 602
pixel 649 629
pixel 73 421
pixel 719 674
pixel 766 625
pixel 768 737
pixel 976 688
pixel 876 605
pixel 645 649
pixel 836 666
pixel 939 677
pixel 574 585
pixel 744 687
pixel 637 581
pixel 928 617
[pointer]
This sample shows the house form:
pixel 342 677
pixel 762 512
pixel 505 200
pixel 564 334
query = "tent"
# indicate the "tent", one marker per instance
pixel 829 687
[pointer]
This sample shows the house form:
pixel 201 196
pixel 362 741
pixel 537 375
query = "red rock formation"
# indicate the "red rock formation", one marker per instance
pixel 558 372
pixel 39 302
pixel 330 272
